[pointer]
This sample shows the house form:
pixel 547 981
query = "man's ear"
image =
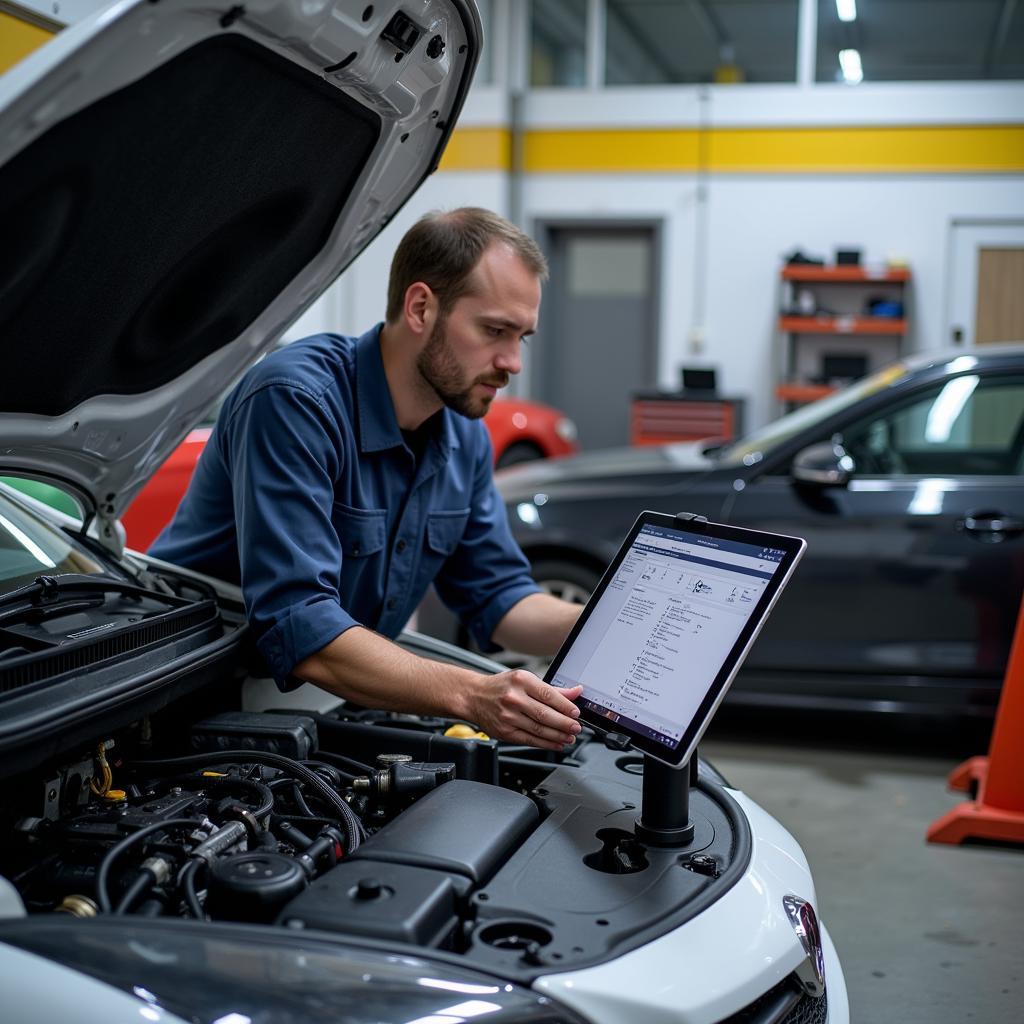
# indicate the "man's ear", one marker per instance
pixel 420 308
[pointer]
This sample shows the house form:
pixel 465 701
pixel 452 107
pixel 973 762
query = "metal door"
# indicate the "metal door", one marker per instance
pixel 598 341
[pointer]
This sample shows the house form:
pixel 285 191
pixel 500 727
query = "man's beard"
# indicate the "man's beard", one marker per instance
pixel 439 367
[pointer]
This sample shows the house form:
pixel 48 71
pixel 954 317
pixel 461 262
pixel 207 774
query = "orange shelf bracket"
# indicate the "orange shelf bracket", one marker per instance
pixel 997 811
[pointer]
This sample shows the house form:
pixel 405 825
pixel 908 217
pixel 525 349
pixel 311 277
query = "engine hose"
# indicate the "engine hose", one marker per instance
pixel 145 880
pixel 103 875
pixel 188 887
pixel 261 800
pixel 351 825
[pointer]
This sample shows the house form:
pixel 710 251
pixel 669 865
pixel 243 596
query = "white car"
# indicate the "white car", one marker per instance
pixel 179 182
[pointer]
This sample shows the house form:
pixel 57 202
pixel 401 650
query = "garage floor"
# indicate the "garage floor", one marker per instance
pixel 926 933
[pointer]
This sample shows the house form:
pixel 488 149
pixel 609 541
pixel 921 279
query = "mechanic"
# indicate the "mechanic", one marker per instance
pixel 345 475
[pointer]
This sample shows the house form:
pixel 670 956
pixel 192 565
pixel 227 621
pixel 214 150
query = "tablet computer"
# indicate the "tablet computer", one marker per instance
pixel 669 626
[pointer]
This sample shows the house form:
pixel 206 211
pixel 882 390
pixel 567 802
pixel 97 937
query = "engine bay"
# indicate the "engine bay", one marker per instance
pixel 367 826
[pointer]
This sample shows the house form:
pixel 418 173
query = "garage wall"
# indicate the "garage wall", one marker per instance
pixel 738 176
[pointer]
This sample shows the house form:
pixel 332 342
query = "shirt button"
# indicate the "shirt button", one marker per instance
pixel 392 604
pixel 400 546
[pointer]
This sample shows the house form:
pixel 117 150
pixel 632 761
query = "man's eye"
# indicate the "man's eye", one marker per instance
pixel 494 332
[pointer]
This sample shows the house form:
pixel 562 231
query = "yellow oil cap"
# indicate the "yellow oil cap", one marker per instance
pixel 115 795
pixel 461 731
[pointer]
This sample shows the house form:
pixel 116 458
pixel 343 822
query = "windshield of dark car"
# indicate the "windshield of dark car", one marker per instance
pixel 31 547
pixel 750 448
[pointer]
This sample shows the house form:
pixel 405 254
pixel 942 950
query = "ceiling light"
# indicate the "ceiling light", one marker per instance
pixel 849 61
pixel 847 10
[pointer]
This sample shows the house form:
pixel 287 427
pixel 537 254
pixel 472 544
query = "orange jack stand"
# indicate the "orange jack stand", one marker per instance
pixel 997 812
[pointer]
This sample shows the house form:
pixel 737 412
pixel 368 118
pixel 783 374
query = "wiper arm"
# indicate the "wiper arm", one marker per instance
pixel 46 590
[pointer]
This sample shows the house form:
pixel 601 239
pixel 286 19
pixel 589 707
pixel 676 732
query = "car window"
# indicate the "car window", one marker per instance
pixel 967 426
pixel 30 547
pixel 752 447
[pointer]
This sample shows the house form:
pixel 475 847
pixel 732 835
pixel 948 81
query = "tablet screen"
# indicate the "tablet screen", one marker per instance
pixel 669 626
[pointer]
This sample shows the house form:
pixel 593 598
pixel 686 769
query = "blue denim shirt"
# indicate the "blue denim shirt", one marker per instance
pixel 308 497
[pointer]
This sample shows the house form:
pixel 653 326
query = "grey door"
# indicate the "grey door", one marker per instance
pixel 598 340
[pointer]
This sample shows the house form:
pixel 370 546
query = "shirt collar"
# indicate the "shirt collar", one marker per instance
pixel 378 425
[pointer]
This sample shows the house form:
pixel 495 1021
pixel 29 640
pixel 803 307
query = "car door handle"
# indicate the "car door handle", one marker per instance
pixel 988 524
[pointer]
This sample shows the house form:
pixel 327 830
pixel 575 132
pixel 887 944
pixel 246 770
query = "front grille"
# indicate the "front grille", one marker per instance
pixel 786 1003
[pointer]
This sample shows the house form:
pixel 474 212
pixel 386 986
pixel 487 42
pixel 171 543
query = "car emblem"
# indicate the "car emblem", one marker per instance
pixel 811 973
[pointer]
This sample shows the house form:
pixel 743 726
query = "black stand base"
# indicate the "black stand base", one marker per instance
pixel 665 816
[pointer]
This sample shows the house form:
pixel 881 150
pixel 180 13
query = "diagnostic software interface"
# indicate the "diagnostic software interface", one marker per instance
pixel 663 628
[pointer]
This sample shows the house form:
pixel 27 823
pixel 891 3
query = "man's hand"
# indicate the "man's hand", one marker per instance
pixel 519 707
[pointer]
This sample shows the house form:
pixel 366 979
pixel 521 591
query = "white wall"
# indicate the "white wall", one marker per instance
pixel 753 219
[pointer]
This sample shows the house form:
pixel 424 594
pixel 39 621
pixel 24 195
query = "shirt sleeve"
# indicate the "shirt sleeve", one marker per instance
pixel 487 573
pixel 284 455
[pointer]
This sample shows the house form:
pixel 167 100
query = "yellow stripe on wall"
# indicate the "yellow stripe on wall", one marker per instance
pixel 888 150
pixel 478 149
pixel 893 150
pixel 18 39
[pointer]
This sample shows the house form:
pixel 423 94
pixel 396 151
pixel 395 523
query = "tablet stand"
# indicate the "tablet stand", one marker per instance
pixel 665 814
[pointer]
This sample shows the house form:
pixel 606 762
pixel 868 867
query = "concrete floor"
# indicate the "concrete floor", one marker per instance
pixel 927 934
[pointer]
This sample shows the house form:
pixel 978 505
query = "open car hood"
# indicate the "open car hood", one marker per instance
pixel 178 183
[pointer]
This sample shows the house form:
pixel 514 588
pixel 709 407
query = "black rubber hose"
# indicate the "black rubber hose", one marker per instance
pixel 350 823
pixel 340 761
pixel 126 844
pixel 261 800
pixel 145 881
pixel 188 887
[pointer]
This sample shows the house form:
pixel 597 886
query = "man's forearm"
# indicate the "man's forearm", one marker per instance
pixel 537 624
pixel 517 706
pixel 366 668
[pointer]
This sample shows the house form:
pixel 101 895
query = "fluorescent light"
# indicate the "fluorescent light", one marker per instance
pixel 849 61
pixel 847 10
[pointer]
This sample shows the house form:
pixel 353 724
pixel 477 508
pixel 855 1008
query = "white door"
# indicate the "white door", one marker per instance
pixel 968 241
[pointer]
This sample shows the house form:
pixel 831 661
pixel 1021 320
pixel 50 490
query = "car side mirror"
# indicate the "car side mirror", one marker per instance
pixel 826 464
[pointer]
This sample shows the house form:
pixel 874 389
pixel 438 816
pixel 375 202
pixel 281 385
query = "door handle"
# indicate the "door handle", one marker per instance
pixel 990 526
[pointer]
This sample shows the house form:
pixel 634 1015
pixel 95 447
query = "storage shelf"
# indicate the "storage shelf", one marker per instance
pixel 801 394
pixel 843 325
pixel 810 273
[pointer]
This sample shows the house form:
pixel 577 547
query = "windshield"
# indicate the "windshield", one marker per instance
pixel 31 547
pixel 768 438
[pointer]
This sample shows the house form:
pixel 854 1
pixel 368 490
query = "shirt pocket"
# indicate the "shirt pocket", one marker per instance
pixel 445 530
pixel 361 531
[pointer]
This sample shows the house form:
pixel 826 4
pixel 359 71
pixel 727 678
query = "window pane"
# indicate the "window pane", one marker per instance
pixel 485 69
pixel 558 34
pixel 609 267
pixel 923 40
pixel 967 427
pixel 664 41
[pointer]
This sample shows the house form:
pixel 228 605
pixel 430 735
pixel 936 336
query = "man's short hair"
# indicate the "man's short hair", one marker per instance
pixel 442 248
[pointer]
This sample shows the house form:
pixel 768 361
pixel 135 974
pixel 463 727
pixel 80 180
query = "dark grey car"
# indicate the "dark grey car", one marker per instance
pixel 908 487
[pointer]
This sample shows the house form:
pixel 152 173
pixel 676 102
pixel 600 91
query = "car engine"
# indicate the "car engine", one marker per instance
pixel 369 825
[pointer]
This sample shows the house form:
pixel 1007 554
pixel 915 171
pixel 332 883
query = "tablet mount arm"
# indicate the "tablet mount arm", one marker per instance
pixel 665 815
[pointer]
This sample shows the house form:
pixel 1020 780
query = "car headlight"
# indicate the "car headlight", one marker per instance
pixel 566 429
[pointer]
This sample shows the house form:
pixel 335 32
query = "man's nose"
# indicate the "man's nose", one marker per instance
pixel 510 358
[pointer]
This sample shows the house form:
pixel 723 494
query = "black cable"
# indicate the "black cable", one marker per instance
pixel 352 826
pixel 340 761
pixel 146 879
pixel 102 899
pixel 188 886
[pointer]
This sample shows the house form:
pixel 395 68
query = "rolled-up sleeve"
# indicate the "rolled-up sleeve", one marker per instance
pixel 285 458
pixel 487 573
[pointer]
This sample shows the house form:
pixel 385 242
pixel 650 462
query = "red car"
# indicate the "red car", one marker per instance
pixel 519 430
